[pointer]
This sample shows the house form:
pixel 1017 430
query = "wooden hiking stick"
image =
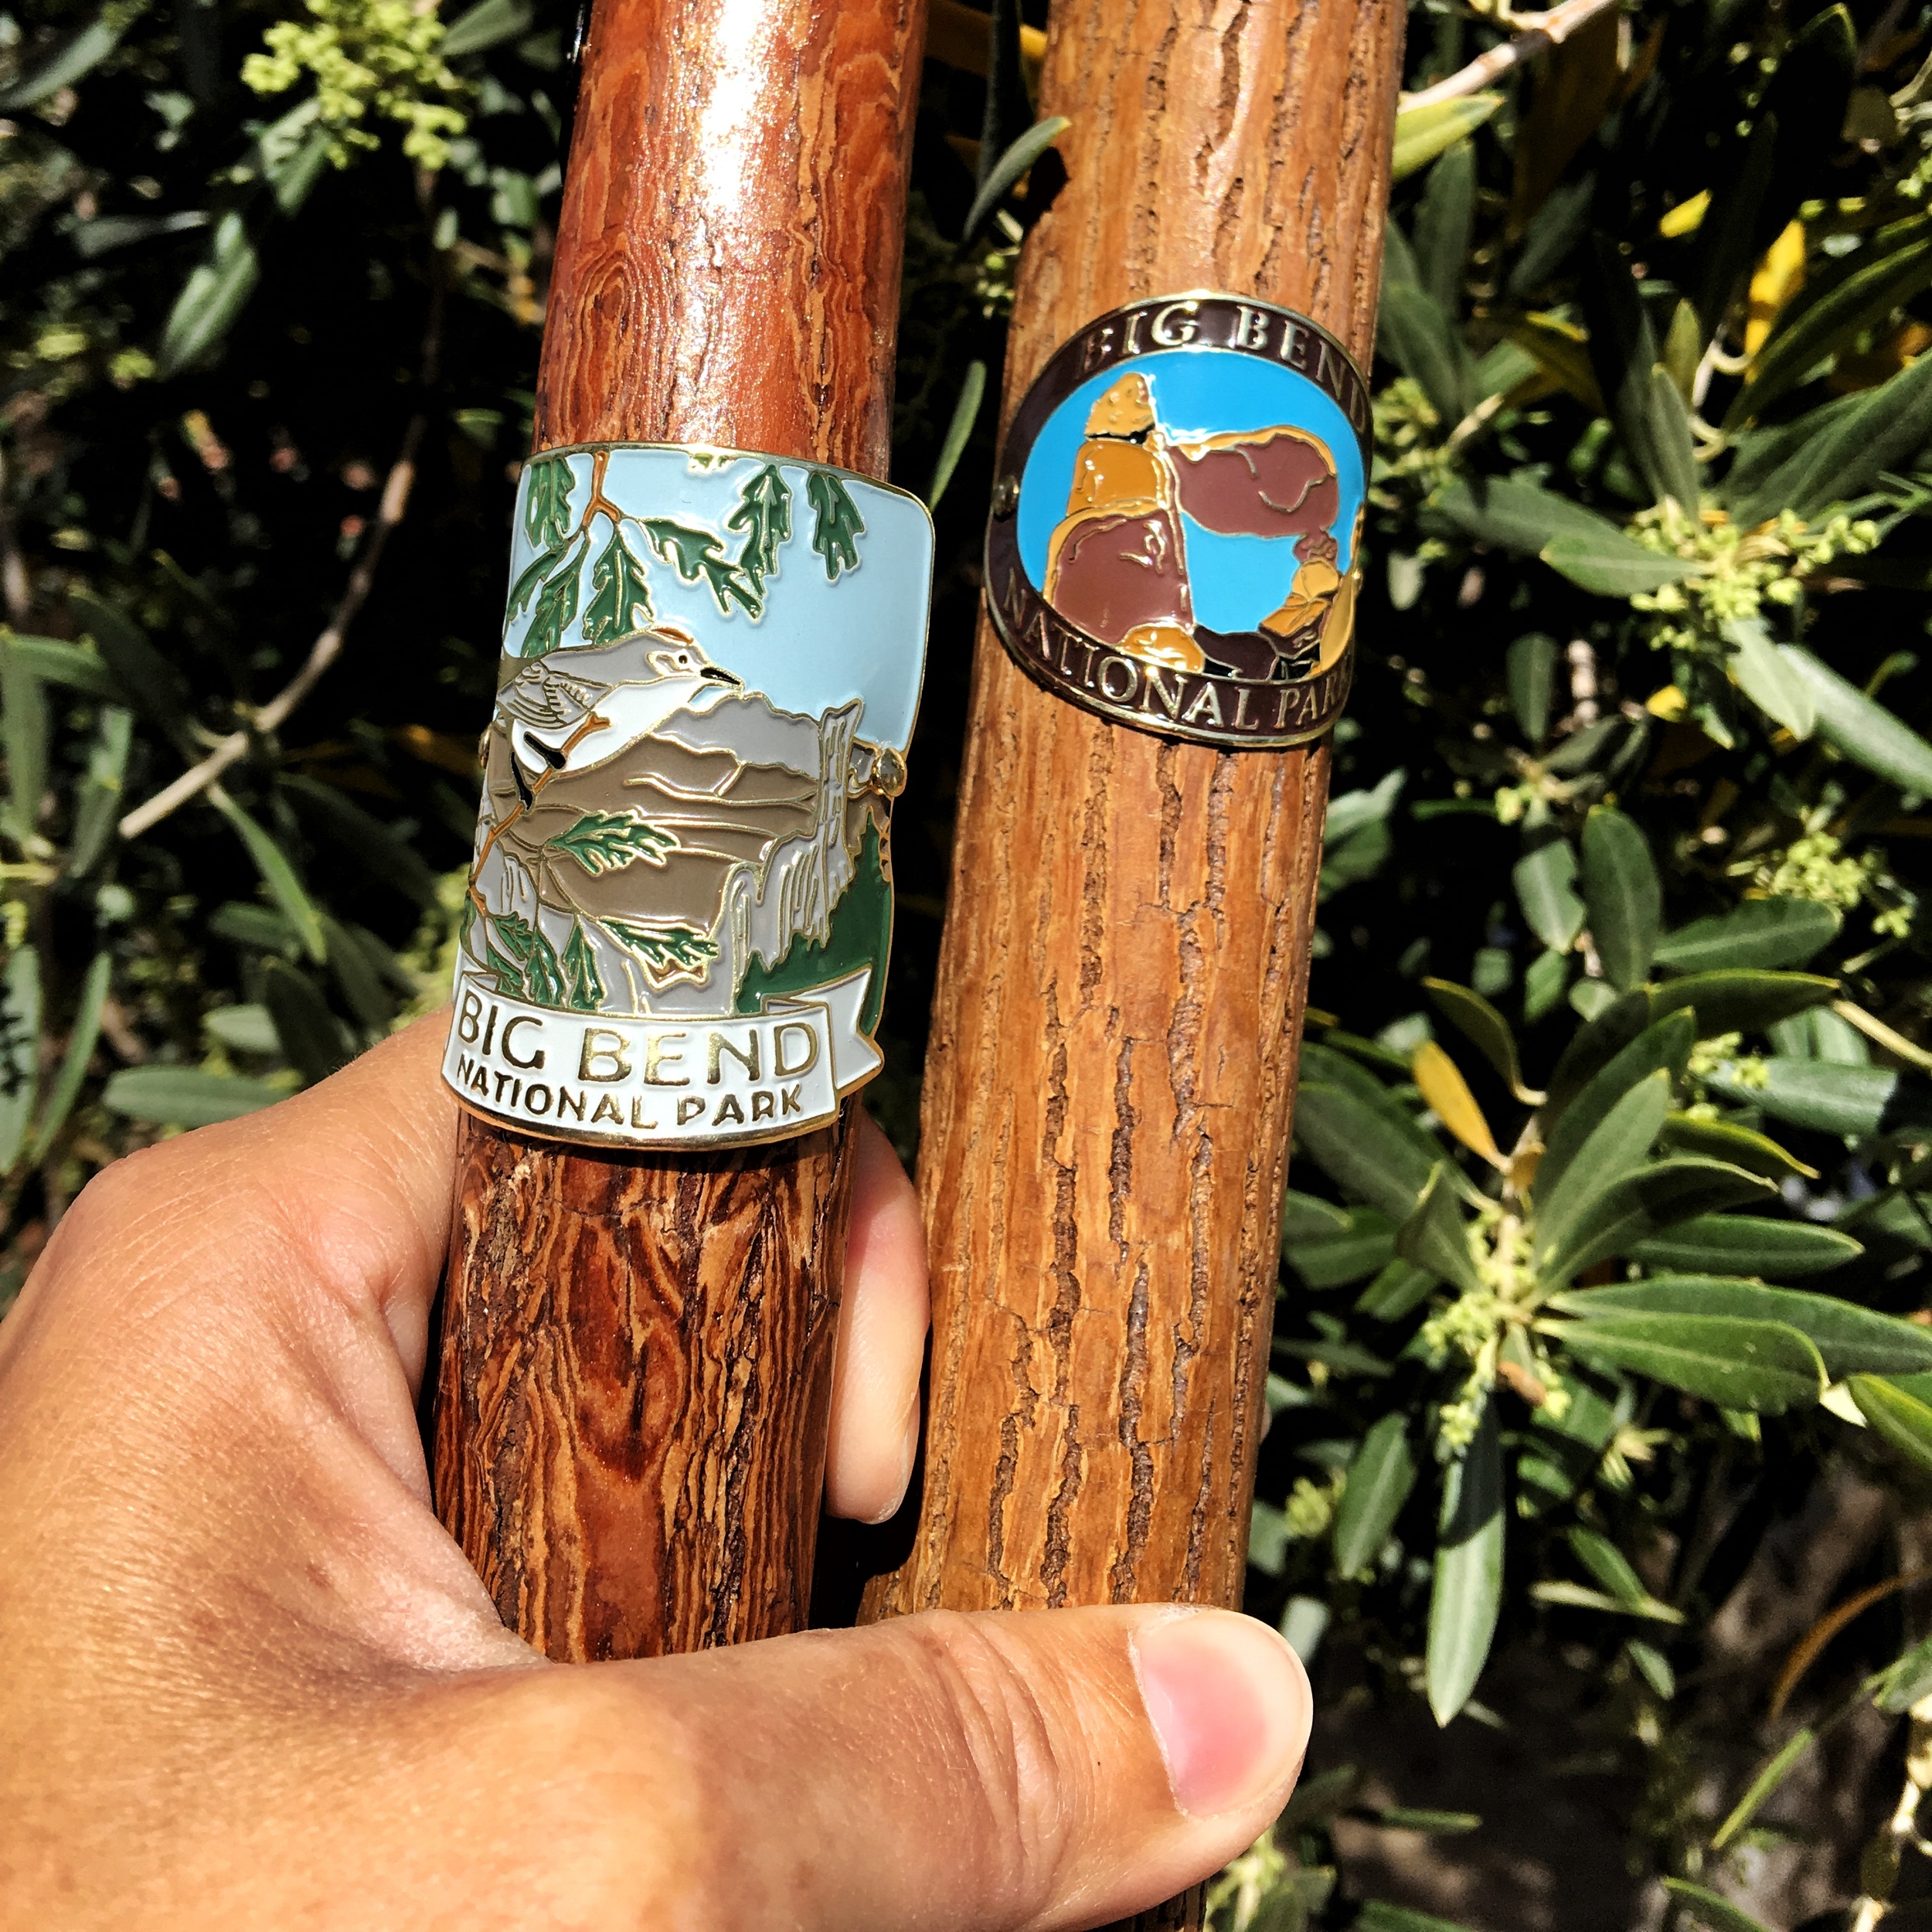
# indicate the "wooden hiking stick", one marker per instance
pixel 636 1347
pixel 1119 1004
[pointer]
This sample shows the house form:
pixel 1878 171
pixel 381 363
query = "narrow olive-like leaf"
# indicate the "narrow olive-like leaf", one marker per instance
pixel 1485 1028
pixel 1435 1237
pixel 144 676
pixel 1622 568
pixel 1580 1597
pixel 1379 1915
pixel 1398 1290
pixel 1742 1001
pixel 1595 1045
pixel 96 805
pixel 1412 331
pixel 1442 225
pixel 27 731
pixel 1304 1218
pixel 1665 1046
pixel 1767 1781
pixel 1901 1684
pixel 1607 1564
pixel 1850 1339
pixel 182 1096
pixel 1832 1098
pixel 1367 1153
pixel 1467 1597
pixel 70 57
pixel 1767 679
pixel 1422 133
pixel 1323 1066
pixel 1899 1417
pixel 311 1036
pixel 1768 933
pixel 972 392
pixel 1411 1818
pixel 1748 1244
pixel 486 25
pixel 1364 1242
pixel 1726 1140
pixel 55 662
pixel 1623 895
pixel 1766 1367
pixel 1517 516
pixel 1616 1148
pixel 1545 881
pixel 1653 1198
pixel 361 965
pixel 1889 426
pixel 215 294
pixel 1706 1908
pixel 1654 1668
pixel 1673 451
pixel 1531 667
pixel 19 1050
pixel 1380 1479
pixel 73 1065
pixel 1860 727
pixel 1007 171
pixel 277 875
pixel 1447 1093
pixel 392 860
pixel 242 1030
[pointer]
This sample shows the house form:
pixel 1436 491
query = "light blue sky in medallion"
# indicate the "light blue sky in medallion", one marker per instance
pixel 817 644
pixel 1237 581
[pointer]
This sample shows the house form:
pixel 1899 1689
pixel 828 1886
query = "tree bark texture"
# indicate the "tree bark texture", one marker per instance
pixel 1119 1004
pixel 636 1354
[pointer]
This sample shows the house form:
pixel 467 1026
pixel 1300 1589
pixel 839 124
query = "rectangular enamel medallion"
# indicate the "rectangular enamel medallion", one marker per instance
pixel 680 905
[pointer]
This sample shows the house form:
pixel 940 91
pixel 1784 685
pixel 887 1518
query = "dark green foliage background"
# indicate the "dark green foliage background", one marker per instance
pixel 1640 648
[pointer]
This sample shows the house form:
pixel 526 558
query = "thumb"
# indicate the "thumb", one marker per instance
pixel 1038 1769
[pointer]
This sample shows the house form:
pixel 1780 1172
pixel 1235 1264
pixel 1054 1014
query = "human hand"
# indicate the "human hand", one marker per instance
pixel 251 1681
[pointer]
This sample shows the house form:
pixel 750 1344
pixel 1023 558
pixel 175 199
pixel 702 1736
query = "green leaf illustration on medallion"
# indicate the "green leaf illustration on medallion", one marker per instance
pixel 836 526
pixel 583 984
pixel 557 609
pixel 620 604
pixel 602 841
pixel 546 507
pixel 666 951
pixel 694 553
pixel 764 513
pixel 531 959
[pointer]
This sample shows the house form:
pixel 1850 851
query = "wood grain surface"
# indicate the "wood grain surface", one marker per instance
pixel 636 1353
pixel 1119 1004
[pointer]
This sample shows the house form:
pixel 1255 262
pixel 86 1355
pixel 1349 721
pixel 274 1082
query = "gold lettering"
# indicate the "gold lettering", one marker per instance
pixel 1157 693
pixel 592 1051
pixel 729 1109
pixel 1250 328
pixel 571 1103
pixel 779 1065
pixel 1097 345
pixel 522 1019
pixel 688 1108
pixel 1171 335
pixel 1125 696
pixel 1294 345
pixel 469 1018
pixel 763 1106
pixel 1207 703
pixel 606 1110
pixel 747 1057
pixel 1242 721
pixel 529 1100
pixel 657 1050
pixel 789 1103
pixel 637 1114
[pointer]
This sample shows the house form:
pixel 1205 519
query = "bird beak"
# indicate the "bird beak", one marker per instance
pixel 720 675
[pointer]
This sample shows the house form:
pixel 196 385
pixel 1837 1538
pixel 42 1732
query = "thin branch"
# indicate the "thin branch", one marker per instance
pixel 1541 31
pixel 321 653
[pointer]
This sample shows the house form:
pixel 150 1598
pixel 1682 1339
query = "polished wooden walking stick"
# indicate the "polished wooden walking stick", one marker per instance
pixel 1170 573
pixel 673 947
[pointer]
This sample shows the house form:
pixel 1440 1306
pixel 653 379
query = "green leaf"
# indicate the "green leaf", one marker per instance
pixel 1654 1668
pixel 81 1037
pixel 156 688
pixel 1006 172
pixel 972 393
pixel 546 502
pixel 1581 1597
pixel 1741 1001
pixel 1766 1367
pixel 1895 266
pixel 583 984
pixel 276 874
pixel 1422 133
pixel 1517 516
pixel 1831 1097
pixel 556 606
pixel 1614 1149
pixel 1706 1908
pixel 1436 1238
pixel 665 952
pixel 1443 222
pixel 604 842
pixel 1474 1017
pixel 535 971
pixel 215 294
pixel 19 1050
pixel 1380 1479
pixel 1901 1684
pixel 71 56
pixel 1859 726
pixel 1399 1289
pixel 1305 1218
pixel 694 553
pixel 1595 1045
pixel 1885 432
pixel 1410 1817
pixel 1531 672
pixel 1673 452
pixel 1850 1340
pixel 531 575
pixel 181 1097
pixel 383 854
pixel 1365 1151
pixel 836 524
pixel 1640 1206
pixel 1901 1420
pixel 1748 1244
pixel 311 1037
pixel 1625 900
pixel 1767 1781
pixel 1665 1046
pixel 97 801
pixel 1761 932
pixel 1728 1140
pixel 1364 1243
pixel 242 1030
pixel 366 971
pixel 1414 333
pixel 488 24
pixel 1767 679
pixel 1622 568
pixel 23 714
pixel 763 513
pixel 1467 1597
pixel 1607 1564
pixel 1546 880
pixel 620 604
pixel 53 662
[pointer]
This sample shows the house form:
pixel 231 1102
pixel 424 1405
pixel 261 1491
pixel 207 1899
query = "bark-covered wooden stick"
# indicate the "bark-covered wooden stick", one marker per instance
pixel 637 1344
pixel 1119 1004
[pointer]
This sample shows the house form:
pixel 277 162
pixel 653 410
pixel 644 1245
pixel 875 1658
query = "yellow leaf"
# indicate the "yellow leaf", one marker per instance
pixel 1684 218
pixel 1777 278
pixel 1449 1097
pixel 961 37
pixel 1561 350
pixel 1667 703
